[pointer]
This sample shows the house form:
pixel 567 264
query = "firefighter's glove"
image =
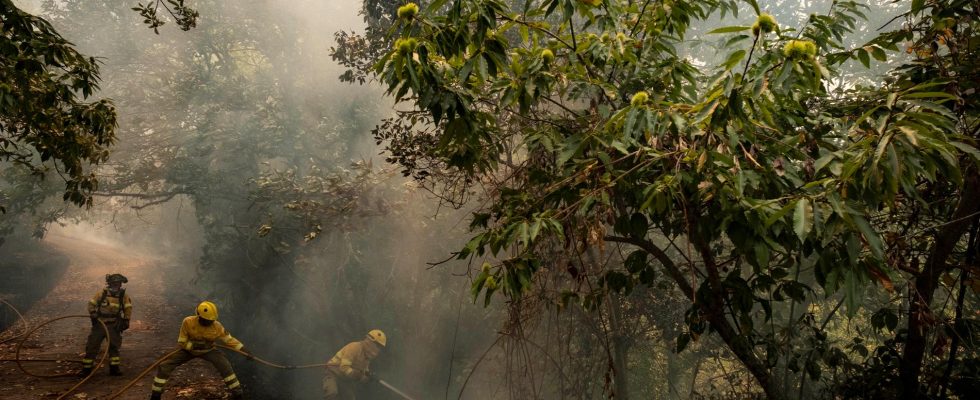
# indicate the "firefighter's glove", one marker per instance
pixel 371 376
pixel 366 376
pixel 95 321
pixel 248 354
pixel 122 325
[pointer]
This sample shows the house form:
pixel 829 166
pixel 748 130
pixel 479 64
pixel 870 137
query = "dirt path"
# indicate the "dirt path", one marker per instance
pixel 152 332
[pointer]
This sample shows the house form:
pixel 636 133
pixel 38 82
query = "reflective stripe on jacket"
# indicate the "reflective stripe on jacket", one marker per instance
pixel 199 339
pixel 110 309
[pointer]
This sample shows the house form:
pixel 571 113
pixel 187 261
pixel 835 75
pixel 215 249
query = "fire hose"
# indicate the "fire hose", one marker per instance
pixel 393 389
pixel 28 331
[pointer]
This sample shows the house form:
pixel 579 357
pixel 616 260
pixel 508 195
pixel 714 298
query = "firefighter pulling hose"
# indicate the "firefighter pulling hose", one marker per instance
pixel 352 364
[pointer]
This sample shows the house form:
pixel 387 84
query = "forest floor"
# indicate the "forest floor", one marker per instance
pixel 152 333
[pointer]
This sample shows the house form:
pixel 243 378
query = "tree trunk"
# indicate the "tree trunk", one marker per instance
pixel 922 290
pixel 714 309
pixel 743 351
pixel 620 348
pixel 971 259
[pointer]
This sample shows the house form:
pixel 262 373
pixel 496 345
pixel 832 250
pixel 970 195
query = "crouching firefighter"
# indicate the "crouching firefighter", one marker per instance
pixel 196 340
pixel 113 308
pixel 352 364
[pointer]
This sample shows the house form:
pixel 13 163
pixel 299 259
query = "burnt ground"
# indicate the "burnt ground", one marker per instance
pixel 58 278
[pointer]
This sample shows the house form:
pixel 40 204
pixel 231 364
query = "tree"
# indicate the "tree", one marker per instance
pixel 743 181
pixel 44 118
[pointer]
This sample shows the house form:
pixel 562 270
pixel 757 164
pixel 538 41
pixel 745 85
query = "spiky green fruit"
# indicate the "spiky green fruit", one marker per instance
pixel 408 11
pixel 491 283
pixel 800 49
pixel 766 23
pixel 547 56
pixel 639 99
pixel 406 46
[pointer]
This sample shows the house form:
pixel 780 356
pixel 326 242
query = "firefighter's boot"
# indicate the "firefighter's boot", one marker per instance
pixel 86 371
pixel 114 370
pixel 155 395
pixel 237 395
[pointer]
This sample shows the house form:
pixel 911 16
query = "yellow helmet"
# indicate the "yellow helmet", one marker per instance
pixel 378 337
pixel 207 310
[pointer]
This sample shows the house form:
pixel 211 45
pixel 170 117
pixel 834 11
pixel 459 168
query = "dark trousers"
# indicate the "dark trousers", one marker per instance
pixel 215 357
pixel 95 338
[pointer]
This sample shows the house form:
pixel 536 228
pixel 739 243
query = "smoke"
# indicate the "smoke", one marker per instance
pixel 207 117
pixel 236 134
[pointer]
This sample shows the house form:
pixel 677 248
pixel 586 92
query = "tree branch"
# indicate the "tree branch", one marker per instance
pixel 668 264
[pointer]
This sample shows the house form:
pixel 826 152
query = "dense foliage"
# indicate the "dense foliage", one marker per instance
pixel 45 120
pixel 757 184
pixel 674 198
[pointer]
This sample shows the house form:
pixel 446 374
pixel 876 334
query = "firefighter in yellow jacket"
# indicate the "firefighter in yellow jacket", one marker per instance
pixel 112 307
pixel 352 364
pixel 196 340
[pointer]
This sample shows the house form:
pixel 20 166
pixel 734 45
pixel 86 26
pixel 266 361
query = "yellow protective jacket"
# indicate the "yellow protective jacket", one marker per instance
pixel 353 360
pixel 109 307
pixel 199 339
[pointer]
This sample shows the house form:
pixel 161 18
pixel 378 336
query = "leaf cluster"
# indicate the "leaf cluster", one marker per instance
pixel 44 115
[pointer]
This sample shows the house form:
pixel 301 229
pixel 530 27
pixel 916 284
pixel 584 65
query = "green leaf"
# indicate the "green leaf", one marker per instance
pixel 880 150
pixel 636 261
pixel 480 280
pixel 968 149
pixel 780 214
pixel 874 241
pixel 865 59
pixel 733 59
pixel 878 53
pixel 730 29
pixel 535 228
pixel 571 147
pixel 823 161
pixel 853 292
pixel 435 6
pixel 803 219
pixel 917 5
pixel 920 95
pixel 524 233
pixel 761 254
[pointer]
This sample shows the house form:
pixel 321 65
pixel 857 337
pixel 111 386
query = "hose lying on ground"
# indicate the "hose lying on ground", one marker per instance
pixel 23 338
pixel 161 359
pixel 28 331
pixel 19 315
pixel 140 376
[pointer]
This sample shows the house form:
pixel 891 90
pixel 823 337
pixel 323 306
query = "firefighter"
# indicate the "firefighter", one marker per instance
pixel 352 364
pixel 112 306
pixel 196 340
